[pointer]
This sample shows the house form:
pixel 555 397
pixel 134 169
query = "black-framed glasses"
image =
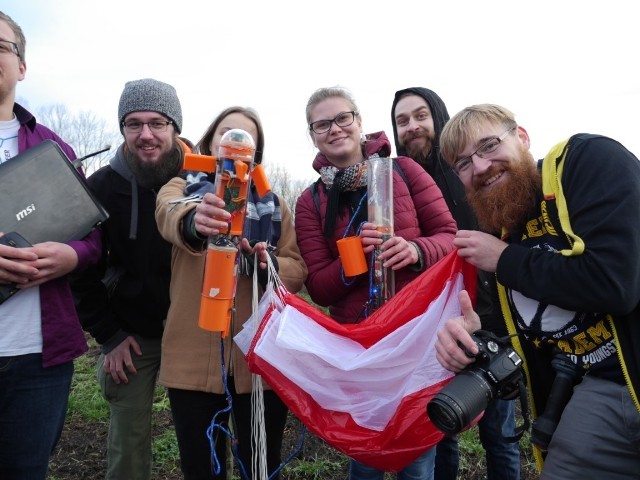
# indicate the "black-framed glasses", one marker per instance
pixel 135 126
pixel 462 166
pixel 9 47
pixel 343 119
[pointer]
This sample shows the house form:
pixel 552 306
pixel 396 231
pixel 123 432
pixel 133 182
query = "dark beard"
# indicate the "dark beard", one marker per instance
pixel 509 205
pixel 418 154
pixel 155 175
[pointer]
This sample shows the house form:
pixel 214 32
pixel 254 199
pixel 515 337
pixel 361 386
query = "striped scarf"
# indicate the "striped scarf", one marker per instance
pixel 337 181
pixel 263 216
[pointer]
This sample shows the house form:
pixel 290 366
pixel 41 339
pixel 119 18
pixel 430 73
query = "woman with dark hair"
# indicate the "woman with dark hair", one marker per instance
pixel 232 117
pixel 192 360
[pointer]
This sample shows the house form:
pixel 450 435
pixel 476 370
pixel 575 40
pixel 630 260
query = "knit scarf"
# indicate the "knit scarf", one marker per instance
pixel 337 182
pixel 262 218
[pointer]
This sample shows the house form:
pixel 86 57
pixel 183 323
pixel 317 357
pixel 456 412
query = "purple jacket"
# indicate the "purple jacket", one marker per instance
pixel 420 215
pixel 62 336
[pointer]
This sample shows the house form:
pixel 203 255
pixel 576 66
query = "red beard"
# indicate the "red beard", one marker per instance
pixel 511 204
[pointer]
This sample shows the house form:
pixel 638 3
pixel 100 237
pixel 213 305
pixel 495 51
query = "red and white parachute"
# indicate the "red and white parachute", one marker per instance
pixel 364 387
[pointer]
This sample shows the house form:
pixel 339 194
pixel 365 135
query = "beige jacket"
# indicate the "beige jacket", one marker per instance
pixel 191 355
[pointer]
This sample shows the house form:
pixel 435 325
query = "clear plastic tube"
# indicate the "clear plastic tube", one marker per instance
pixel 380 213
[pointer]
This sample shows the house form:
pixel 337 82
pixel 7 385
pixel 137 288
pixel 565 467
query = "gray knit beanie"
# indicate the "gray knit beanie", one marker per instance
pixel 149 95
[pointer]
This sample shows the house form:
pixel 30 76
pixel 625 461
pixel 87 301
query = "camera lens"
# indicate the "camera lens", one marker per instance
pixel 460 401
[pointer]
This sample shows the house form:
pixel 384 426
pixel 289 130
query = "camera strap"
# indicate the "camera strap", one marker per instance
pixel 524 410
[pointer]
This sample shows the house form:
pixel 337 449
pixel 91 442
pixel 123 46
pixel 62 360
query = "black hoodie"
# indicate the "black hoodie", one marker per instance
pixel 453 193
pixel 128 291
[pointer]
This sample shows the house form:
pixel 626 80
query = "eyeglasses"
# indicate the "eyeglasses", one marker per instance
pixel 343 119
pixel 462 166
pixel 158 126
pixel 9 47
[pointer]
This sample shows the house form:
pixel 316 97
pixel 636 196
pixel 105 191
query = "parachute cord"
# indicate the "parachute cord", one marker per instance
pixel 258 429
pixel 220 426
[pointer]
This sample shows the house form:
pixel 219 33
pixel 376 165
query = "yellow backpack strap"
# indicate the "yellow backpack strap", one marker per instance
pixel 552 168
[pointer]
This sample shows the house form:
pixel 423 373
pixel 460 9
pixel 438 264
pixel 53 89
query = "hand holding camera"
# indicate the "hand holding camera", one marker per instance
pixel 496 373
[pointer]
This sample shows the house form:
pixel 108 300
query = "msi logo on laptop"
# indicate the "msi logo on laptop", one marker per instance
pixel 23 213
pixel 44 198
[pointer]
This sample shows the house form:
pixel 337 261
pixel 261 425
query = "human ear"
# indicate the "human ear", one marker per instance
pixel 523 136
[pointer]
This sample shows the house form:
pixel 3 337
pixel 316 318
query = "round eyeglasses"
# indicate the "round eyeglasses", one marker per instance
pixel 343 119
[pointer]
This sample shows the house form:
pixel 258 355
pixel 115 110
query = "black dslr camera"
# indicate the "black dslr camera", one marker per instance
pixel 496 373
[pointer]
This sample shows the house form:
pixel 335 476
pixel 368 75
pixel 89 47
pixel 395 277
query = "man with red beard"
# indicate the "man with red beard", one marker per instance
pixel 418 116
pixel 568 278
pixel 124 302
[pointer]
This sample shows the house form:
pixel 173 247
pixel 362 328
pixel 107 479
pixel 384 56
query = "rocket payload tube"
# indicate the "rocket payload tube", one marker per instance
pixel 380 213
pixel 234 171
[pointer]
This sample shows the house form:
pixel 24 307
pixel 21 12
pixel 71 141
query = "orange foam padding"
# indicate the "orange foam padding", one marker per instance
pixel 199 163
pixel 260 180
pixel 242 169
pixel 218 289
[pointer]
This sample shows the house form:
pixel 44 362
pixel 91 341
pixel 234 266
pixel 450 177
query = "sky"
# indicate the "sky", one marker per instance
pixel 563 66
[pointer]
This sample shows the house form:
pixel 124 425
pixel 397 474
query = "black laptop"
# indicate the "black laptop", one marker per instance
pixel 44 198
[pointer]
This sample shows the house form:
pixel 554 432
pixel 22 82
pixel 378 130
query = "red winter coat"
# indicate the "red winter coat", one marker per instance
pixel 420 215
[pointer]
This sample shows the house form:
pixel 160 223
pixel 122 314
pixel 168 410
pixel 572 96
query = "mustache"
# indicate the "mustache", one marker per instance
pixel 478 182
pixel 419 134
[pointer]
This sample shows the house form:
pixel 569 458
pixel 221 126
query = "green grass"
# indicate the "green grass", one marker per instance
pixel 165 450
pixel 86 402
pixel 318 468
pixel 86 398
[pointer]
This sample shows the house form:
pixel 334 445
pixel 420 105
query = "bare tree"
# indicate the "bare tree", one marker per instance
pixel 84 131
pixel 285 186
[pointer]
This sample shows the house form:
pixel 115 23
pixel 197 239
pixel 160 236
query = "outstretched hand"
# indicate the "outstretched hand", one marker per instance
pixel 211 218
pixel 454 337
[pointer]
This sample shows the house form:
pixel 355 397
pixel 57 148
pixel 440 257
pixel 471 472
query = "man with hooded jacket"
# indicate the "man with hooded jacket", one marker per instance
pixel 418 115
pixel 124 302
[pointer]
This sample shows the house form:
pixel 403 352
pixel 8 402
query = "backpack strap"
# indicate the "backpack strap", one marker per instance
pixel 552 168
pixel 398 168
pixel 315 195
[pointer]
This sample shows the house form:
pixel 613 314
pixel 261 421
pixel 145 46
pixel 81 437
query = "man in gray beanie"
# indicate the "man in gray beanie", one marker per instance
pixel 150 95
pixel 123 303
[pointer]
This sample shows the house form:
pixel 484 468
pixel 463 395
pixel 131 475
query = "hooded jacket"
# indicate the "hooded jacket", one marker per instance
pixel 453 193
pixel 128 292
pixel 420 216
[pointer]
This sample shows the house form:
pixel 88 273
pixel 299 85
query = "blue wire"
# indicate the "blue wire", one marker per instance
pixel 303 431
pixel 219 426
pixel 346 282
